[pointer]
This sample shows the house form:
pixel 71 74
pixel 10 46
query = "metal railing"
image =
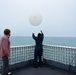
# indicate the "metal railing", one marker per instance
pixel 61 54
pixel 19 54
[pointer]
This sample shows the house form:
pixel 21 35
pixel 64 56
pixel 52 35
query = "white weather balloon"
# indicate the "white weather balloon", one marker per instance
pixel 35 19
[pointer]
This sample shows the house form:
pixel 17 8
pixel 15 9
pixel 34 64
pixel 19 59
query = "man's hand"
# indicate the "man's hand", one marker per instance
pixel 9 58
pixel 41 31
pixel 32 33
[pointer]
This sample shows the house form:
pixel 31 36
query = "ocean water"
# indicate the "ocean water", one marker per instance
pixel 61 41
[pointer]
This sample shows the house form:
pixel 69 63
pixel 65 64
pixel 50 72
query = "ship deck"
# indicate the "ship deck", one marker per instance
pixel 40 71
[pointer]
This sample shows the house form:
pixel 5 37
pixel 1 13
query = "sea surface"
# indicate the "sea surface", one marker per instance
pixel 60 41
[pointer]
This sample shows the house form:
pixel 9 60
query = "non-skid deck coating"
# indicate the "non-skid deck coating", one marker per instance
pixel 40 71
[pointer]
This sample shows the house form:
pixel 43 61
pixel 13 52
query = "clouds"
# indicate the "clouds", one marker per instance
pixel 58 17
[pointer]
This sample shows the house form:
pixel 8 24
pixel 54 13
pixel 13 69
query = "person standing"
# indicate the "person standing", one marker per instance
pixel 38 49
pixel 5 51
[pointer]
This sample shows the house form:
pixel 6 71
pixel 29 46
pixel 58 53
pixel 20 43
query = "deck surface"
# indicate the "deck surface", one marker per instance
pixel 40 71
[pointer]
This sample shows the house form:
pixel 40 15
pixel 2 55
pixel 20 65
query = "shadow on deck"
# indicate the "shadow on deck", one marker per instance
pixel 40 71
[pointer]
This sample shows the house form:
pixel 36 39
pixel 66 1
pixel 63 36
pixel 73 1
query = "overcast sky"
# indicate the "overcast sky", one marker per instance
pixel 58 17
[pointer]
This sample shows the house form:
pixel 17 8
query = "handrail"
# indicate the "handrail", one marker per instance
pixel 61 54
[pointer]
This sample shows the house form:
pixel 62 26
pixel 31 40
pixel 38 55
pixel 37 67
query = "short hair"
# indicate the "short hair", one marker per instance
pixel 7 31
pixel 39 34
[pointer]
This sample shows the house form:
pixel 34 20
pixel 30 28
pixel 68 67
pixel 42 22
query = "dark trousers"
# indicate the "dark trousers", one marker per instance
pixel 5 65
pixel 36 58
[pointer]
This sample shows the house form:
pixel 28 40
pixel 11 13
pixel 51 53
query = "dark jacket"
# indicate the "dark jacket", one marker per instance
pixel 38 41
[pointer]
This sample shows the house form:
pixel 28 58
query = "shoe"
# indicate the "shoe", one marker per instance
pixel 35 66
pixel 9 73
pixel 40 65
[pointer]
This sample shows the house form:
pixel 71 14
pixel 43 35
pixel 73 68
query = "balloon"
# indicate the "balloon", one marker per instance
pixel 35 19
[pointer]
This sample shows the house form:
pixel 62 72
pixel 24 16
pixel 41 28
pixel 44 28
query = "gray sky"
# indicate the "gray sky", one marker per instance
pixel 58 17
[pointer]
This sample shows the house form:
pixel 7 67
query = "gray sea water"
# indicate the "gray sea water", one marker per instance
pixel 61 41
